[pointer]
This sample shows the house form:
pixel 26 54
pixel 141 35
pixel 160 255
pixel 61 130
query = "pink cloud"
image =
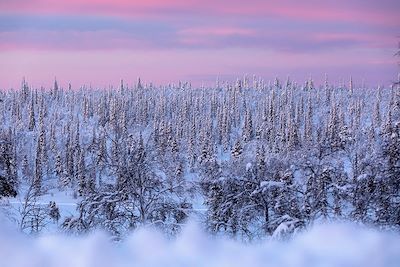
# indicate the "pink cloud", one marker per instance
pixel 361 11
pixel 70 40
pixel 218 31
pixel 373 40
pixel 208 36
pixel 137 8
pixel 317 11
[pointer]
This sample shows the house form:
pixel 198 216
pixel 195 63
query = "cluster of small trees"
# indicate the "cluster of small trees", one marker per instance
pixel 261 157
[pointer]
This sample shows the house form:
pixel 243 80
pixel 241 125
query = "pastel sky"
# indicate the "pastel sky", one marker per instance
pixel 99 42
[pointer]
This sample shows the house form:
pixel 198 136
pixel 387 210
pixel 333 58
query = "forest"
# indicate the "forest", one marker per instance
pixel 249 159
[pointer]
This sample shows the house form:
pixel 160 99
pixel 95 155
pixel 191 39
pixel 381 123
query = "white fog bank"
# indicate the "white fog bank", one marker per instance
pixel 325 245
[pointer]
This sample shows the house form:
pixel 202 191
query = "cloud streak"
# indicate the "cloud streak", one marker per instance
pixel 367 11
pixel 190 30
pixel 96 32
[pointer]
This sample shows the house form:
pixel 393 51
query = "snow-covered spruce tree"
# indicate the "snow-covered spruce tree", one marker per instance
pixel 32 121
pixel 8 176
pixel 59 169
pixel 237 149
pixel 248 131
pixel 39 162
pixel 69 158
pixel 388 191
pixel 54 211
pixel 81 175
pixel 26 168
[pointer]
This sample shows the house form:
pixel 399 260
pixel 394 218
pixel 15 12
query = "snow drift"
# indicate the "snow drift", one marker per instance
pixel 324 245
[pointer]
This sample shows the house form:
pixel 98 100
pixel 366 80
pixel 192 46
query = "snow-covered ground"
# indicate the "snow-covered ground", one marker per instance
pixel 65 200
pixel 324 245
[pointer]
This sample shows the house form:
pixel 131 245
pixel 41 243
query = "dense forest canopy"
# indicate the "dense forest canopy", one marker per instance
pixel 258 158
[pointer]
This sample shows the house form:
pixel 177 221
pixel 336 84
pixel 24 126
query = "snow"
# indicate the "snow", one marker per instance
pixel 323 245
pixel 362 177
pixel 248 166
pixel 268 184
pixel 285 228
pixel 65 201
pixel 66 115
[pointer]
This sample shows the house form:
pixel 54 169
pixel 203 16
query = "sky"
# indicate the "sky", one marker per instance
pixel 100 42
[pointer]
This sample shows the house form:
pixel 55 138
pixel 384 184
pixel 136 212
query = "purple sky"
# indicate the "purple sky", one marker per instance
pixel 99 42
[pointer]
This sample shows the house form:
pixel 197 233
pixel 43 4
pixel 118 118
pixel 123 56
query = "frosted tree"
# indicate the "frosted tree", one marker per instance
pixel 388 184
pixel 8 176
pixel 308 124
pixel 81 173
pixel 32 121
pixel 60 171
pixel 26 169
pixel 54 211
pixel 248 131
pixel 237 149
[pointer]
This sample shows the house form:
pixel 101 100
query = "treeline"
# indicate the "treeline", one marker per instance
pixel 262 159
